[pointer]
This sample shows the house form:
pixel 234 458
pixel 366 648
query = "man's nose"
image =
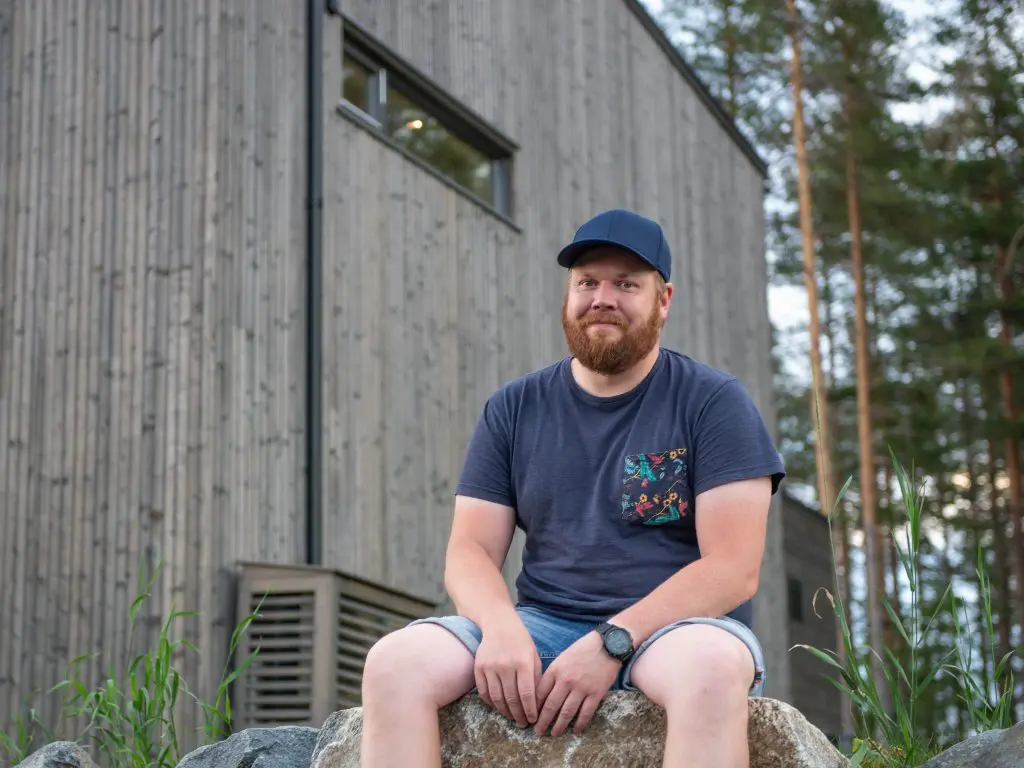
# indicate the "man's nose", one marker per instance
pixel 604 296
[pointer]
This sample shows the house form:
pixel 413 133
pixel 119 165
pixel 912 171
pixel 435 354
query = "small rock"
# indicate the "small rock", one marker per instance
pixel 282 747
pixel 59 754
pixel 781 737
pixel 338 744
pixel 627 730
pixel 1003 748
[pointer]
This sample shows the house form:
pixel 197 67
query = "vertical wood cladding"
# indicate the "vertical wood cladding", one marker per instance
pixel 152 176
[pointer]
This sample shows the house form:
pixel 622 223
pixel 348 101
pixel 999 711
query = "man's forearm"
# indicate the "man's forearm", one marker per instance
pixel 477 587
pixel 706 587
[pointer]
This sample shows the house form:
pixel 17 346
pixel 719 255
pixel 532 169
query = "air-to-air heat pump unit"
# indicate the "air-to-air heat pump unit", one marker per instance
pixel 314 629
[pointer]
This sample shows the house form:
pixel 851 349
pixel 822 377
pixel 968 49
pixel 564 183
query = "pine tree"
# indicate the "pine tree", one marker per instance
pixel 856 70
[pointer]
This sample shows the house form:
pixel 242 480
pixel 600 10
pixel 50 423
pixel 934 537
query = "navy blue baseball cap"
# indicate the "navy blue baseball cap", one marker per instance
pixel 621 229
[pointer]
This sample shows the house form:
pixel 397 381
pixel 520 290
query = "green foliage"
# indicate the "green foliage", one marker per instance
pixel 984 713
pixel 894 729
pixel 132 714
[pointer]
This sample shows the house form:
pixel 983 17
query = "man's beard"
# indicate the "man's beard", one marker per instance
pixel 610 356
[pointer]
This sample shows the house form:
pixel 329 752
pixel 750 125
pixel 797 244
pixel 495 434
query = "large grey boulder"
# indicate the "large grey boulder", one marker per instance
pixel 282 747
pixel 59 754
pixel 1002 748
pixel 627 730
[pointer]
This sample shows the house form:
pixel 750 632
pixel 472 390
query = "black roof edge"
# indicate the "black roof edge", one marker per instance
pixel 703 92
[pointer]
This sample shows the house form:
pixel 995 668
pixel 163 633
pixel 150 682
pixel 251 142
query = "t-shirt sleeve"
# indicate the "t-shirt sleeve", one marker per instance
pixel 731 442
pixel 487 468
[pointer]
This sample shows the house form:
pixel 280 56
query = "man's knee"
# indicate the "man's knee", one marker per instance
pixel 422 661
pixel 391 659
pixel 693 663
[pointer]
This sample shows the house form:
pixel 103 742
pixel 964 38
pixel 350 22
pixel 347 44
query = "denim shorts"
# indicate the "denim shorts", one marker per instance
pixel 553 634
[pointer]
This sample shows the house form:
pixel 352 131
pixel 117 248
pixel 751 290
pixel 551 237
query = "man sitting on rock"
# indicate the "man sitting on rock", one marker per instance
pixel 642 480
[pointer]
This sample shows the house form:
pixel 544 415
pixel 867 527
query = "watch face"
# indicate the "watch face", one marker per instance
pixel 618 641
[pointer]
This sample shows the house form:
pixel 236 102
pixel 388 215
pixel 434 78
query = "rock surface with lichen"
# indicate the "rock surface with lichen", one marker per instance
pixel 627 730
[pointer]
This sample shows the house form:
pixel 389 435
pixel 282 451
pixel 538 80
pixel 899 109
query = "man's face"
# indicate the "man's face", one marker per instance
pixel 613 310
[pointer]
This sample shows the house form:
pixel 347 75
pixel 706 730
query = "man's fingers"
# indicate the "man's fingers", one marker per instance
pixel 552 704
pixel 526 680
pixel 510 688
pixel 497 693
pixel 568 709
pixel 545 686
pixel 586 714
pixel 481 688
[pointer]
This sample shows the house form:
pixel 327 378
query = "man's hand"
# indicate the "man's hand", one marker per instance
pixel 507 670
pixel 575 684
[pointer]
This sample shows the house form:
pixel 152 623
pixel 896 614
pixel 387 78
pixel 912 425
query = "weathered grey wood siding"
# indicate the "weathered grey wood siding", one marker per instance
pixel 431 302
pixel 151 338
pixel 808 554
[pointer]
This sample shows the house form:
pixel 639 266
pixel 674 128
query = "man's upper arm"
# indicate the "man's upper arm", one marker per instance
pixel 732 523
pixel 731 442
pixel 483 523
pixel 485 496
pixel 736 470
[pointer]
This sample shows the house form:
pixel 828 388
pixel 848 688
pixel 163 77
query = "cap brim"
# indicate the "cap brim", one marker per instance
pixel 569 255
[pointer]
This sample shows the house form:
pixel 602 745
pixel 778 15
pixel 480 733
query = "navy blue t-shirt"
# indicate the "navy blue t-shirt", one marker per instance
pixel 604 487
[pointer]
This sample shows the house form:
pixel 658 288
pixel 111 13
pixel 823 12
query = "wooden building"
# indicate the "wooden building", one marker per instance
pixel 263 261
pixel 810 620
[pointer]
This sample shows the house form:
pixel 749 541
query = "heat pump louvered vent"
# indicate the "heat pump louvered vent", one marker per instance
pixel 279 684
pixel 314 630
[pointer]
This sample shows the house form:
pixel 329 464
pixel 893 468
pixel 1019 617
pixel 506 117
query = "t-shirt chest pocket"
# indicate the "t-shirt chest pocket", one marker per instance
pixel 656 488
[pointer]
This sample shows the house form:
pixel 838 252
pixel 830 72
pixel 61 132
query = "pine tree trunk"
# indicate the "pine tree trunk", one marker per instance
pixel 1004 275
pixel 947 575
pixel 1003 566
pixel 729 50
pixel 1004 563
pixel 974 520
pixel 819 405
pixel 892 638
pixel 887 544
pixel 868 478
pixel 840 523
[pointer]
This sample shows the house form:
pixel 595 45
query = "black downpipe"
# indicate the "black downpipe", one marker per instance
pixel 314 270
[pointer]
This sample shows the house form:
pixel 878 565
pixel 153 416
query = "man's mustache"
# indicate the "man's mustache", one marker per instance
pixel 611 318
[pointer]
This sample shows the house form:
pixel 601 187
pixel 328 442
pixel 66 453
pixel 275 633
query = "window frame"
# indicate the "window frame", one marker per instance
pixel 461 122
pixel 795 599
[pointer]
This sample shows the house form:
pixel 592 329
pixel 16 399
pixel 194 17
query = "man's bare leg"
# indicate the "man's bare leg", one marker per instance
pixel 408 676
pixel 701 676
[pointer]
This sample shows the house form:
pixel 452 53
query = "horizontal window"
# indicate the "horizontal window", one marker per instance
pixel 415 116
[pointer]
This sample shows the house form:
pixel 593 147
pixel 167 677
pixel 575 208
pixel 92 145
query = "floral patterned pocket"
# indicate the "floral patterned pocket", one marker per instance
pixel 655 488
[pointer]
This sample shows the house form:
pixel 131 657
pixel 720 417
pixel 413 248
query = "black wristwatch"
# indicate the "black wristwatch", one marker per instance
pixel 618 643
